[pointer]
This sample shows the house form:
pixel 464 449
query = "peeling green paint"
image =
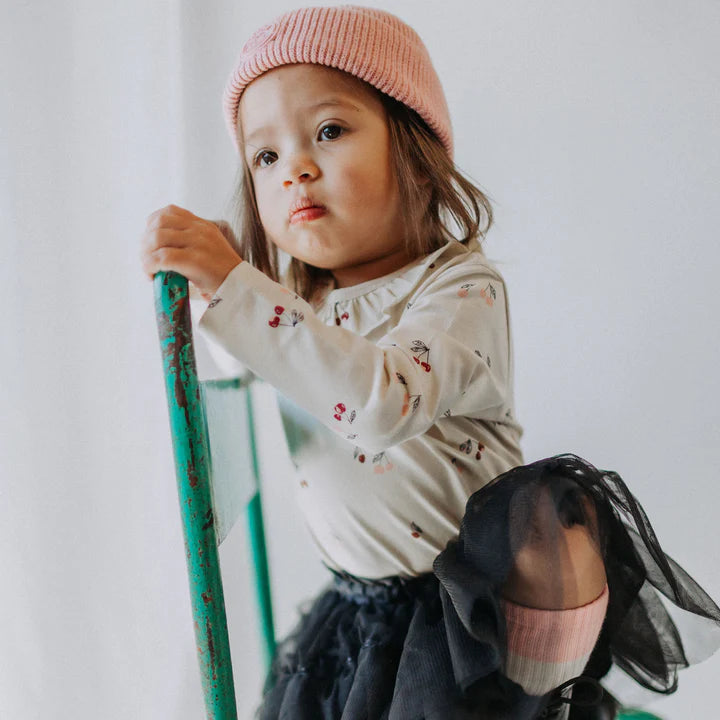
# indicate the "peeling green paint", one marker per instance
pixel 192 466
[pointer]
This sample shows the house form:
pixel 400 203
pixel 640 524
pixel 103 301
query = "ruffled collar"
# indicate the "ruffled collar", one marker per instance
pixel 396 284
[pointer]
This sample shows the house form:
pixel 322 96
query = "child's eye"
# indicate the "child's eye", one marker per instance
pixel 265 158
pixel 331 132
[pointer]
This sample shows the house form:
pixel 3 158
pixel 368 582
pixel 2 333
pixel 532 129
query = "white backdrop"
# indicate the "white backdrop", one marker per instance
pixel 595 129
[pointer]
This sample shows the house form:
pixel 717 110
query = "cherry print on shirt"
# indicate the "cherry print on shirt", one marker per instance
pixel 283 317
pixel 463 291
pixel 303 483
pixel 411 401
pixel 381 464
pixel 467 447
pixel 340 318
pixel 359 455
pixel 421 350
pixel 488 292
pixel 341 413
pixel 415 530
pixel 215 301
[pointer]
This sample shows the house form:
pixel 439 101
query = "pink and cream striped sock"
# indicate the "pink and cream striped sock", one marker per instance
pixel 548 647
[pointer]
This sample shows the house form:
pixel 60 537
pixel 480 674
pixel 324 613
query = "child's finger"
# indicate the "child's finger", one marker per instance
pixel 173 221
pixel 194 264
pixel 170 211
pixel 155 239
pixel 168 259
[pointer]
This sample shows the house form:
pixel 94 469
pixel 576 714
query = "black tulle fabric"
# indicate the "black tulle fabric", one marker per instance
pixel 434 647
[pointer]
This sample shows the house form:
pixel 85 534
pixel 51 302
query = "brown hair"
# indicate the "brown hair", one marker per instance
pixel 428 208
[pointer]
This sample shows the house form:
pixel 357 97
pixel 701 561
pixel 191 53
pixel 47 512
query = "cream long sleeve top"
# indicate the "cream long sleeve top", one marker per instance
pixel 397 401
pixel 396 397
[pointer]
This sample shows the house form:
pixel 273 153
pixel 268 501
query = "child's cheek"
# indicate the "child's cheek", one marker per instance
pixel 364 189
pixel 270 209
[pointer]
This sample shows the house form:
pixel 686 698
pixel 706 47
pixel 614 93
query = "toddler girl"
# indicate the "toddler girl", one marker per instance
pixel 464 584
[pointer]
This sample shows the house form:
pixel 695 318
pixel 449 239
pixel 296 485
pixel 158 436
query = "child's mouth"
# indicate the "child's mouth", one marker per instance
pixel 307 214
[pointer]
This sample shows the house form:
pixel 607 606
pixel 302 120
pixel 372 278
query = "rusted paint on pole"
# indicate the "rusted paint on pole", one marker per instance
pixel 192 467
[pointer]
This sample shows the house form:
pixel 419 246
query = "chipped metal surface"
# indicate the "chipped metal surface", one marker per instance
pixel 192 466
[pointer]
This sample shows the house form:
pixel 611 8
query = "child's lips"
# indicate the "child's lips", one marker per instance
pixel 307 214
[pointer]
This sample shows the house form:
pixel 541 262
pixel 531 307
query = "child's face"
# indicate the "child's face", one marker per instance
pixel 314 132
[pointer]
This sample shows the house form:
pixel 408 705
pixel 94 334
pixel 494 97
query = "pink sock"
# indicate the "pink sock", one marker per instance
pixel 548 647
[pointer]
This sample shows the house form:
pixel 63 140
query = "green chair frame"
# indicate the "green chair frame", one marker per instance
pixel 191 449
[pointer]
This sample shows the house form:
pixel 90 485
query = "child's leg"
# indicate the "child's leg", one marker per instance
pixel 557 567
pixel 556 596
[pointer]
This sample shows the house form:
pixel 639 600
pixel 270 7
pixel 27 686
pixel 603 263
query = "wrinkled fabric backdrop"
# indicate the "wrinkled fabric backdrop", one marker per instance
pixel 595 129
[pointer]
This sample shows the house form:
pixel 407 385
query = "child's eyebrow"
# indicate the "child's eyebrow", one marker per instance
pixel 343 102
pixel 329 102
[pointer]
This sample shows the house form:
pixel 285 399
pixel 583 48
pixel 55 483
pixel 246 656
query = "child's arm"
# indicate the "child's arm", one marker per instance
pixel 448 354
pixel 204 251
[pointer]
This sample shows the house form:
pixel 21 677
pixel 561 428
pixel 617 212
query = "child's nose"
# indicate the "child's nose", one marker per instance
pixel 300 168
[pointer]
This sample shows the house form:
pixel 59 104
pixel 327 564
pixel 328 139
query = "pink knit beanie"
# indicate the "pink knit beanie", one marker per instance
pixel 371 44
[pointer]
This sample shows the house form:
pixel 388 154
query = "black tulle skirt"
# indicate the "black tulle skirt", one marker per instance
pixel 434 647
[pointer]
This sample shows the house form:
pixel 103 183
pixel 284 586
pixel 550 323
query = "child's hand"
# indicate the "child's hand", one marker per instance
pixel 199 249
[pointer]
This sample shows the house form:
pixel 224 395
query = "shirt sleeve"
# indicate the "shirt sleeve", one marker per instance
pixel 224 365
pixel 447 354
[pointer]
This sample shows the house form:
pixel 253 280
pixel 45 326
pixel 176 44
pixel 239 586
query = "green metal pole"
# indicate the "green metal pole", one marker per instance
pixel 259 552
pixel 253 510
pixel 192 467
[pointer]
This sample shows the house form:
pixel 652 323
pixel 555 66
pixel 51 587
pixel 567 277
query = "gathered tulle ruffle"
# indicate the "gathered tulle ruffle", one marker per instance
pixel 434 647
pixel 387 651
